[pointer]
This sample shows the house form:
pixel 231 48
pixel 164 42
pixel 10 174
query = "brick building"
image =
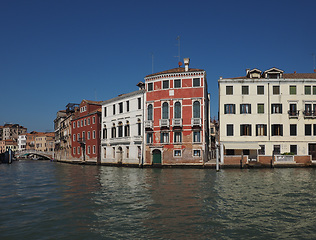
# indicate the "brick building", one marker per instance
pixel 86 130
pixel 177 117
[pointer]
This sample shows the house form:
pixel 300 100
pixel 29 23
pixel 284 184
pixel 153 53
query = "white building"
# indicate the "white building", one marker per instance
pixel 122 129
pixel 268 113
pixel 21 142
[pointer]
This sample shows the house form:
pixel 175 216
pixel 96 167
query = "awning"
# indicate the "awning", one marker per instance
pixel 242 145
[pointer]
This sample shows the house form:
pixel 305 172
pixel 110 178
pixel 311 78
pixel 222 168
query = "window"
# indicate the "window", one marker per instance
pixel 139 100
pixel 113 152
pixel 276 108
pixel 88 121
pixel 229 130
pixel 74 125
pixel 165 110
pixel 308 90
pixel 78 124
pixel 139 127
pixel 88 135
pixel 83 135
pixel 74 137
pixel 276 149
pixel 293 109
pixel 177 110
pixel 85 122
pixel 78 136
pixel 197 136
pixel 293 149
pixel 150 112
pixel 245 108
pixel 164 137
pixel 81 123
pixel 262 150
pixel 261 130
pixel 93 120
pixel 127 106
pixel 93 148
pixel 165 84
pixel 78 150
pixel 277 129
pixel 229 108
pixel 293 131
pixel 177 153
pixel 260 90
pixel 121 107
pixel 149 138
pixel 127 129
pixel 308 109
pixel 276 90
pixel 150 87
pixel 245 90
pixel 245 152
pixel 230 152
pixel 314 128
pixel 196 82
pixel 177 137
pixel 308 129
pixel 74 150
pixel 177 83
pixel 120 129
pixel 196 109
pixel 88 149
pixel 104 109
pixel 197 153
pixel 260 108
pixel 292 90
pixel 314 90
pixel 113 109
pixel 104 132
pixel 229 90
pixel 113 132
pixel 245 130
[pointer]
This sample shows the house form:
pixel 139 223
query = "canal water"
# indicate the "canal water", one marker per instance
pixel 50 200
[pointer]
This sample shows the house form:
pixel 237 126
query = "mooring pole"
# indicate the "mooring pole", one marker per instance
pixel 217 157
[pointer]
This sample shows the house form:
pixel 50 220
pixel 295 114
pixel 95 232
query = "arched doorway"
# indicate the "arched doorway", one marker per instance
pixel 120 155
pixel 156 156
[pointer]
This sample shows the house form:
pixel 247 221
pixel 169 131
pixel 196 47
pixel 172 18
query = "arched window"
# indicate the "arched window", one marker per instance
pixel 165 110
pixel 126 130
pixel 177 110
pixel 150 112
pixel 120 129
pixel 196 109
pixel 113 133
pixel 104 132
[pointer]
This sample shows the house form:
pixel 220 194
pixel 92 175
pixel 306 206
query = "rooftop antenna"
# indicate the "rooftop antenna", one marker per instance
pixel 178 38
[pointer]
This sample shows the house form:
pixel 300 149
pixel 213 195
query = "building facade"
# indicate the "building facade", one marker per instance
pixel 86 128
pixel 122 129
pixel 11 131
pixel 63 132
pixel 177 117
pixel 268 115
pixel 21 142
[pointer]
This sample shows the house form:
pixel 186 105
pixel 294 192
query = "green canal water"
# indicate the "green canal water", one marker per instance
pixel 50 200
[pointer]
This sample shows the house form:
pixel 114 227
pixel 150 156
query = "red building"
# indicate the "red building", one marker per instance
pixel 177 117
pixel 86 132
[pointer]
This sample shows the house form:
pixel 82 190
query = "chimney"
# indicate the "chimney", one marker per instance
pixel 186 64
pixel 314 70
pixel 294 72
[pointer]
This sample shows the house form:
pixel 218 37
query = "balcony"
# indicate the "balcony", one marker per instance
pixel 293 114
pixel 177 122
pixel 164 123
pixel 120 140
pixel 149 124
pixel 309 114
pixel 196 122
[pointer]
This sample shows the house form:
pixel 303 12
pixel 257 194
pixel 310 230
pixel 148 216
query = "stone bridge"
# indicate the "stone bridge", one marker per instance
pixel 46 155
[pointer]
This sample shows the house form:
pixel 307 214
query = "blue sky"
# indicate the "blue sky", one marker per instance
pixel 54 52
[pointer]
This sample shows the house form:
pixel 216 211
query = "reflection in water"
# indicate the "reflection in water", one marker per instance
pixel 45 200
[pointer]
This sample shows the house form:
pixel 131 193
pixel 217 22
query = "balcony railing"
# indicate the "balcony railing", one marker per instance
pixel 293 114
pixel 164 122
pixel 196 122
pixel 309 114
pixel 149 124
pixel 177 122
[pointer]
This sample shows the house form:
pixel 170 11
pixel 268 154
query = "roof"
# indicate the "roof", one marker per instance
pixel 92 102
pixel 122 96
pixel 290 76
pixel 175 70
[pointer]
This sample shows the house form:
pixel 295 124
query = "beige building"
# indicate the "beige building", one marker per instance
pixel 266 116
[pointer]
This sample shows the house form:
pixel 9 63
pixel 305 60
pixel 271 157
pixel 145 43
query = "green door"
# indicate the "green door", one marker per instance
pixel 156 156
